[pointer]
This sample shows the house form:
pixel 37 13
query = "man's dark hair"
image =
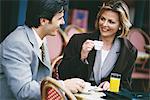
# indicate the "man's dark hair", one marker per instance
pixel 42 9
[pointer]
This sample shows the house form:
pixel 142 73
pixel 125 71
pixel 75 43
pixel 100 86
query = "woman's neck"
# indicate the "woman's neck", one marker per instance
pixel 108 42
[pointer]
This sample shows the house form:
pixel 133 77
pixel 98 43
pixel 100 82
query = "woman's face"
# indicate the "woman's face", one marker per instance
pixel 109 23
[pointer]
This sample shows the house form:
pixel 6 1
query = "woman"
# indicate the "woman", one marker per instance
pixel 116 56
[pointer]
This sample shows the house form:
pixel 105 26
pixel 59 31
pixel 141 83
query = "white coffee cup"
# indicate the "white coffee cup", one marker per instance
pixel 98 45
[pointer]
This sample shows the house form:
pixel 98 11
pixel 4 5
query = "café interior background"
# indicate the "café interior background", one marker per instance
pixel 13 14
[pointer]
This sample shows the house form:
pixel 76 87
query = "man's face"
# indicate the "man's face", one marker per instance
pixel 57 20
pixel 51 28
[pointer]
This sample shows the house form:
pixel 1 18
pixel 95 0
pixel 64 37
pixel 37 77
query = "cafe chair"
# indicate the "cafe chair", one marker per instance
pixel 55 65
pixel 55 45
pixel 69 31
pixel 64 35
pixel 73 29
pixel 141 71
pixel 140 39
pixel 59 42
pixel 51 89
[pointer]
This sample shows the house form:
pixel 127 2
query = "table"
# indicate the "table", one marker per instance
pixel 106 95
pixel 90 96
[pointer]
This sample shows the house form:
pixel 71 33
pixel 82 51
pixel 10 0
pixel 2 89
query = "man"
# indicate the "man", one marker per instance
pixel 22 66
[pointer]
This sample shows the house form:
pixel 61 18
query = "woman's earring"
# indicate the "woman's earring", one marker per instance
pixel 119 28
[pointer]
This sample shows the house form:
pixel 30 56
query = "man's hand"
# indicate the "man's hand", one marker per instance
pixel 105 86
pixel 74 85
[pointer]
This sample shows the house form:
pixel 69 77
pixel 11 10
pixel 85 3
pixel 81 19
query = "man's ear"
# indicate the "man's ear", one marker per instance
pixel 43 21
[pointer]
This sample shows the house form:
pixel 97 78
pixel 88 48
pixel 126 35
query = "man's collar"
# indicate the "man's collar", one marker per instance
pixel 37 38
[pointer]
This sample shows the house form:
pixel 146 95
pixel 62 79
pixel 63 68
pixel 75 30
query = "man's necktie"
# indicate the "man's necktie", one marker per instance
pixel 42 52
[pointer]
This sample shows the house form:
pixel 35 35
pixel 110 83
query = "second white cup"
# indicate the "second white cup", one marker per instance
pixel 98 45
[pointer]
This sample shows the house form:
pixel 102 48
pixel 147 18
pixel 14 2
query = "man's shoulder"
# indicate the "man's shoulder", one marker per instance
pixel 17 35
pixel 17 32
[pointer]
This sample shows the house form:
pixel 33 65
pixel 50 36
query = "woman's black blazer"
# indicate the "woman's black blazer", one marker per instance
pixel 72 67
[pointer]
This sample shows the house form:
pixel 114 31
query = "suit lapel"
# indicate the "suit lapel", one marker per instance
pixel 32 40
pixel 34 44
pixel 121 62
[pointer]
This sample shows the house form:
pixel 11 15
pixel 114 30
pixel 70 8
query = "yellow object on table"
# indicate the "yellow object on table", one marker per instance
pixel 115 82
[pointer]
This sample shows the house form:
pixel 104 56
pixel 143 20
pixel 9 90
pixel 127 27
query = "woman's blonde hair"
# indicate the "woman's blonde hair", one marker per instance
pixel 121 8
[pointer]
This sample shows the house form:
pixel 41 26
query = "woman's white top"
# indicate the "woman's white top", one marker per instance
pixel 104 55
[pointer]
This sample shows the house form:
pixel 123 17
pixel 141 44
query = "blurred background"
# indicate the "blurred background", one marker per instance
pixel 80 17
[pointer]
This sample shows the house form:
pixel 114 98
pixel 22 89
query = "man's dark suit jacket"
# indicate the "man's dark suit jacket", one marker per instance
pixel 72 67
